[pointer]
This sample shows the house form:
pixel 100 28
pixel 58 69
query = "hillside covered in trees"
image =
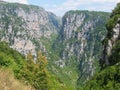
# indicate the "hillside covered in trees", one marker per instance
pixel 18 72
pixel 108 78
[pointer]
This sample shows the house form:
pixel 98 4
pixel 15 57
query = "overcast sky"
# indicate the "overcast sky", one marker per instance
pixel 59 7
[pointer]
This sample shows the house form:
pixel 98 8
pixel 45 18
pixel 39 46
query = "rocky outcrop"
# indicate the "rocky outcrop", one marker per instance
pixel 24 26
pixel 109 75
pixel 108 47
pixel 111 42
pixel 81 36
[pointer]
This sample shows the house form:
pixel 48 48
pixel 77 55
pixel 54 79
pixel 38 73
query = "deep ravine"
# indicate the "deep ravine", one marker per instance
pixel 71 43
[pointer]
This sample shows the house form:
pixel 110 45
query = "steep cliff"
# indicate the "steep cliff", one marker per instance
pixel 80 40
pixel 24 26
pixel 112 39
pixel 108 77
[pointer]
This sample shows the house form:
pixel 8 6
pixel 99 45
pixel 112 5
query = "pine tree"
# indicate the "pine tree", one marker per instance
pixel 42 74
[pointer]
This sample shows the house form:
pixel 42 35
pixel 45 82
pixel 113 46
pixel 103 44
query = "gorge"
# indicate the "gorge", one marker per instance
pixel 72 44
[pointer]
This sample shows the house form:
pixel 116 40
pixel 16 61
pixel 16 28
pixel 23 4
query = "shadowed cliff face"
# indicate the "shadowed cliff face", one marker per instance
pixel 111 42
pixel 109 46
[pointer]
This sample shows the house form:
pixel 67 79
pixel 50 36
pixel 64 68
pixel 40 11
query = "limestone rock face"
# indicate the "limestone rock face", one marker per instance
pixel 81 36
pixel 111 42
pixel 24 26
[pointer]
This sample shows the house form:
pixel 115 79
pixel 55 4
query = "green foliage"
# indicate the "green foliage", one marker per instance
pixel 105 41
pixel 35 73
pixel 107 79
pixel 115 56
pixel 113 20
pixel 5 60
pixel 9 55
pixel 116 11
pixel 28 71
pixel 111 24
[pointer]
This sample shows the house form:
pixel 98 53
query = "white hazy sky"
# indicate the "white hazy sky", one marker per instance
pixel 59 7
